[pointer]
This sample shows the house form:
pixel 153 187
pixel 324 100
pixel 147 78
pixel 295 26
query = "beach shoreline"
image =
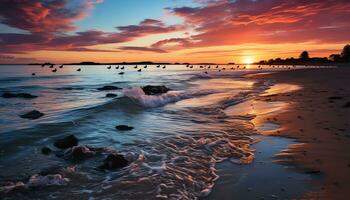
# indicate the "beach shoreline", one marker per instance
pixel 316 117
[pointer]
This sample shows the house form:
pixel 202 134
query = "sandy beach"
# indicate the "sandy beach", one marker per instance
pixel 317 116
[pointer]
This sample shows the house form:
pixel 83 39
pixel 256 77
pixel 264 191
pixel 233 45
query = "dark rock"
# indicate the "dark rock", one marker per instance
pixel 114 161
pixel 347 105
pixel 313 172
pixel 108 87
pixel 18 95
pixel 335 97
pixel 34 114
pixel 66 142
pixel 46 150
pixel 111 95
pixel 155 89
pixel 124 127
pixel 79 153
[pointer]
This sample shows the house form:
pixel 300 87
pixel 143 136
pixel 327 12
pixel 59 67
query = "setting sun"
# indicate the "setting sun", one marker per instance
pixel 248 60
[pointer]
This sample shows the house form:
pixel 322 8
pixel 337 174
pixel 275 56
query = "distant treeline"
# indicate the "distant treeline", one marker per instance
pixel 305 59
pixel 125 63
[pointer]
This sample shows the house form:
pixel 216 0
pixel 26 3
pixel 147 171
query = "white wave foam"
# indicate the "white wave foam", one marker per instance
pixel 201 76
pixel 48 180
pixel 137 94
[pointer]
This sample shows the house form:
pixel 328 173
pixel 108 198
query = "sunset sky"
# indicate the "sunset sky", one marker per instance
pixel 220 31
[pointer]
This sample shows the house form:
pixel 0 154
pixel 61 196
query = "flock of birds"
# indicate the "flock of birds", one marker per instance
pixel 139 68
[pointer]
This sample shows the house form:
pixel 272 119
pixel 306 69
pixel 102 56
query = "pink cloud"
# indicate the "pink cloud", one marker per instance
pixel 226 22
pixel 47 24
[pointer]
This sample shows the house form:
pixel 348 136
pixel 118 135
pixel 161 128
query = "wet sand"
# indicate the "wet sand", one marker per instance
pixel 262 179
pixel 318 118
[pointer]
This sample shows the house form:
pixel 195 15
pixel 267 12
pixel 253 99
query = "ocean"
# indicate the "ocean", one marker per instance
pixel 173 150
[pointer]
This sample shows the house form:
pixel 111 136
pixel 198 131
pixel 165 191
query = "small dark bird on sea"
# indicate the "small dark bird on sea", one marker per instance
pixel 43 65
pixel 158 66
pixel 237 66
pixel 219 70
pixel 33 74
pixel 78 70
pixel 109 67
pixel 117 67
pixel 54 70
pixel 224 68
pixel 135 67
pixel 122 67
pixel 121 73
pixel 139 70
pixel 191 66
pixel 61 66
pixel 217 66
pixel 209 67
pixel 206 72
pixel 145 66
pixel 200 66
pixel 164 67
pixel 51 66
pixel 232 68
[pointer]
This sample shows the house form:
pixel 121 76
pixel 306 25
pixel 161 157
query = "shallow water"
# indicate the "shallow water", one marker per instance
pixel 177 140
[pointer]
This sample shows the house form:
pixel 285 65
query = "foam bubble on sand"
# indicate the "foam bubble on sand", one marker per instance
pixel 48 180
pixel 35 181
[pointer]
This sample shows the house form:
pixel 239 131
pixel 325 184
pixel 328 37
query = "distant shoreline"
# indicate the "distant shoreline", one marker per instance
pixel 151 63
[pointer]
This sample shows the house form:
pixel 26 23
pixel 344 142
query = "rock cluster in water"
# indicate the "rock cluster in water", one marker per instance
pixel 75 152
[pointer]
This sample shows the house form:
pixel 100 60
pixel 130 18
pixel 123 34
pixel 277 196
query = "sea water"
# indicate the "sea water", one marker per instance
pixel 177 140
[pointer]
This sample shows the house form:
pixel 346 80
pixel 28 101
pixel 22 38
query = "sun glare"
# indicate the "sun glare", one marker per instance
pixel 248 60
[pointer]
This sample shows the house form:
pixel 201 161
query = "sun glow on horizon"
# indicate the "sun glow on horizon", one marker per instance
pixel 248 60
